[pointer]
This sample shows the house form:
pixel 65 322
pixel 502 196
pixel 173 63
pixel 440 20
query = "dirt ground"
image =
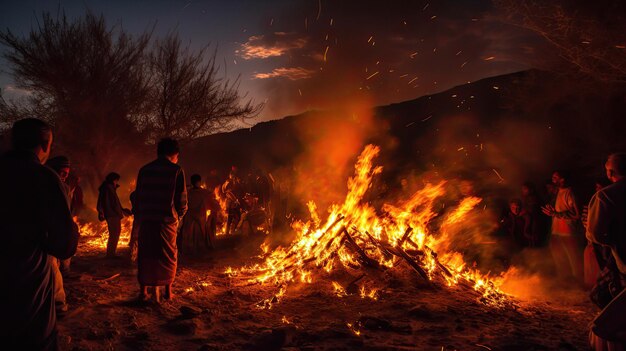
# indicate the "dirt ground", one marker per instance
pixel 214 311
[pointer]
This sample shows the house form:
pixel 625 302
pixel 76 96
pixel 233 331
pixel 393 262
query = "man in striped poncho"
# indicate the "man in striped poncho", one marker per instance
pixel 161 203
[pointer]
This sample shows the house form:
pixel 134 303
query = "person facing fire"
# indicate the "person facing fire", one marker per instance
pixel 606 221
pixel 564 239
pixel 536 229
pixel 161 203
pixel 606 225
pixel 110 210
pixel 514 224
pixel 35 223
pixel 233 192
pixel 194 236
pixel 61 166
pixel 76 201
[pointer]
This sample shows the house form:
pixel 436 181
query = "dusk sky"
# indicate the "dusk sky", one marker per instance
pixel 316 54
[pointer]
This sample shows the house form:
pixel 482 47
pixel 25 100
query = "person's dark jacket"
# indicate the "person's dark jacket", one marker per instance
pixel 606 223
pixel 161 191
pixel 35 224
pixel 109 205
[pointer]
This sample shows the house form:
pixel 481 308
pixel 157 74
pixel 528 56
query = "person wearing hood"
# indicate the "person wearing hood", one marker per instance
pixel 110 210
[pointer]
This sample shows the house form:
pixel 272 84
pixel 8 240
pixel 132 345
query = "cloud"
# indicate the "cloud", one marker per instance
pixel 291 73
pixel 14 91
pixel 272 45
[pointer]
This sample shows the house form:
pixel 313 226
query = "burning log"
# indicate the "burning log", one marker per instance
pixel 413 264
pixel 405 236
pixel 433 254
pixel 339 219
pixel 386 254
pixel 364 258
pixel 443 268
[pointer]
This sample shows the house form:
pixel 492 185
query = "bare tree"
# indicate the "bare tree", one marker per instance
pixel 88 79
pixel 108 95
pixel 589 36
pixel 188 98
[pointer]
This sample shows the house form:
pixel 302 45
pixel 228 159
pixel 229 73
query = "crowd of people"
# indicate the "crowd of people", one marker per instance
pixel 40 199
pixel 587 245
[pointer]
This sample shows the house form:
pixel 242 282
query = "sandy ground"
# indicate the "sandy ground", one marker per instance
pixel 213 311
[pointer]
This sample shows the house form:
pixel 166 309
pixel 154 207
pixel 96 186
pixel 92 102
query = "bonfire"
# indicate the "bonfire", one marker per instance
pixel 356 236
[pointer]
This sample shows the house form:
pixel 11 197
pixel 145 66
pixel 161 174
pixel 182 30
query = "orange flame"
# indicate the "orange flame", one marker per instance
pixel 323 244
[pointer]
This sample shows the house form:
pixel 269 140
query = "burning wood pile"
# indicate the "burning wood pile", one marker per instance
pixel 355 237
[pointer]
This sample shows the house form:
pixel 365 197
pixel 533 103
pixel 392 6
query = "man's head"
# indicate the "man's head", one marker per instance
pixel 515 206
pixel 195 180
pixel 61 165
pixel 528 188
pixel 616 167
pixel 31 134
pixel 113 178
pixel 168 148
pixel 559 178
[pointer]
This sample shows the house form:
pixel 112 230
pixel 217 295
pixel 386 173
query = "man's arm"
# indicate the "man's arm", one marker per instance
pixel 598 219
pixel 180 194
pixel 62 232
pixel 573 211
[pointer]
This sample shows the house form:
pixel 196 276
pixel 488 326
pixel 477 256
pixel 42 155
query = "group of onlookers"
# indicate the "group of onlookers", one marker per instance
pixel 587 246
pixel 37 224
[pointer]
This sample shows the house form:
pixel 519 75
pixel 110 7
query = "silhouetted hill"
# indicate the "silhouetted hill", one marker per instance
pixel 509 126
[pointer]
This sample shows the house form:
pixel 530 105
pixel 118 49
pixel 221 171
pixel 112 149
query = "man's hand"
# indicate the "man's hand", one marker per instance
pixel 548 210
pixel 101 217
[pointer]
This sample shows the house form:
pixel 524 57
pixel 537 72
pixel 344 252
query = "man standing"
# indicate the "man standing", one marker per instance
pixel 35 222
pixel 606 222
pixel 161 200
pixel 111 210
pixel 233 192
pixel 564 241
pixel 61 166
pixel 606 225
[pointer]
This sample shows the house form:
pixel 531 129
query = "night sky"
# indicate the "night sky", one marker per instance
pixel 311 54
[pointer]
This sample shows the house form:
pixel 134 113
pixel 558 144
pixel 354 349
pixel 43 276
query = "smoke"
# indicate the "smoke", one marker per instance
pixel 332 140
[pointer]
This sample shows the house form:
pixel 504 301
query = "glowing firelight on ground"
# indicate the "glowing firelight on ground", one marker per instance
pixel 355 235
pixel 97 234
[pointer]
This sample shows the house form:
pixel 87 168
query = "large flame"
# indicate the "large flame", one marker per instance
pixel 354 234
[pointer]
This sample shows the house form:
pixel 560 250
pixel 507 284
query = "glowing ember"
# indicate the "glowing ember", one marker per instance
pixel 355 235
pixel 353 328
pixel 372 294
